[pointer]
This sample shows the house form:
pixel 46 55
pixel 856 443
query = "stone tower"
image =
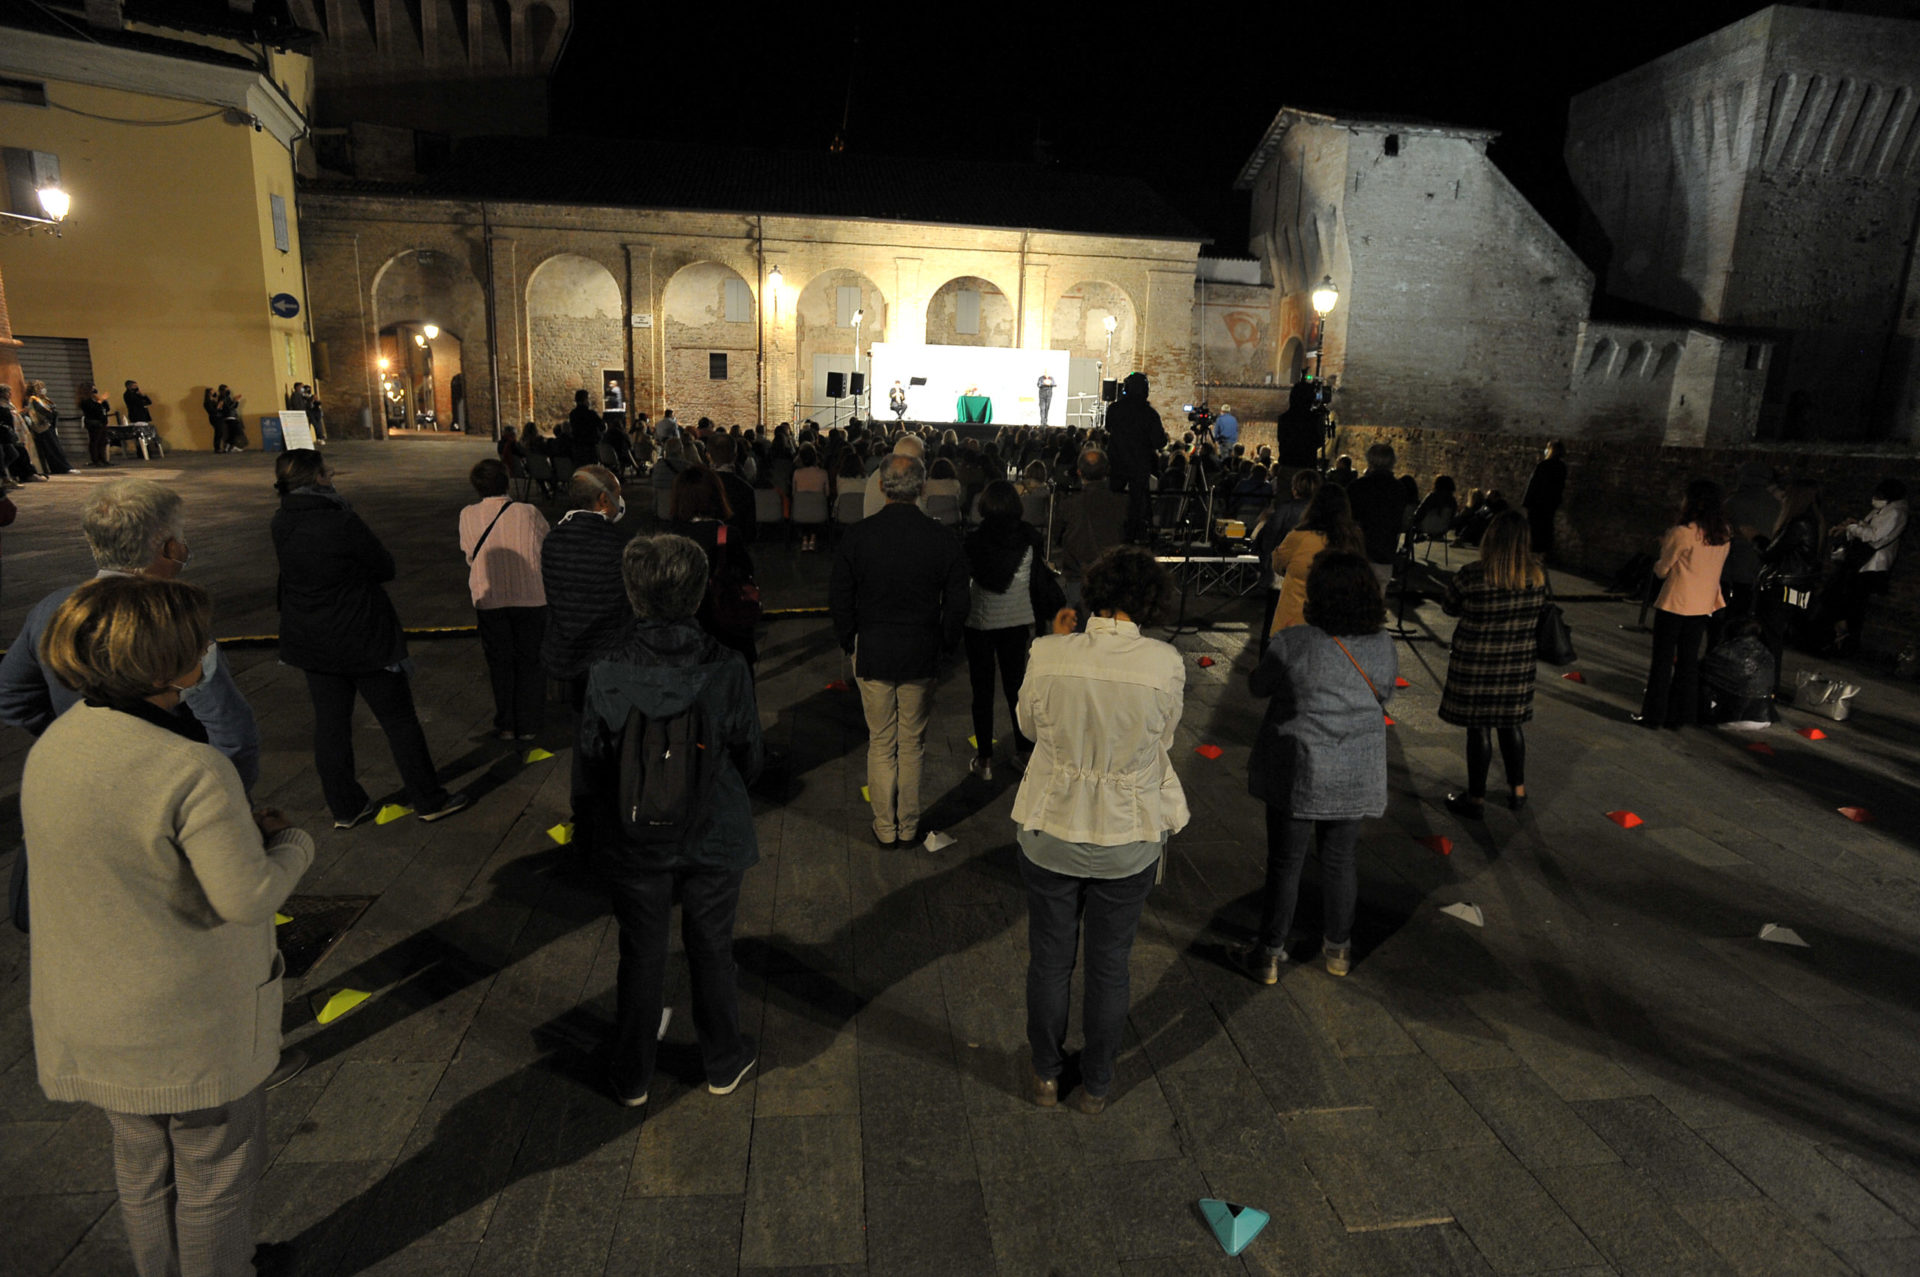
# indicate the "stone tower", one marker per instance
pixel 1767 178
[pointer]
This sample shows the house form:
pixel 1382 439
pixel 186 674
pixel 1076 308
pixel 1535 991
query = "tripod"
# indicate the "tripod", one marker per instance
pixel 1402 572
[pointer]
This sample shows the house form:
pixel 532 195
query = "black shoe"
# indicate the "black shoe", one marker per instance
pixel 885 844
pixel 455 802
pixel 1516 802
pixel 367 813
pixel 728 1088
pixel 290 1067
pixel 1256 963
pixel 1467 806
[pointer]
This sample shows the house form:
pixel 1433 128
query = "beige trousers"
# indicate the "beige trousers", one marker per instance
pixel 896 746
pixel 187 1183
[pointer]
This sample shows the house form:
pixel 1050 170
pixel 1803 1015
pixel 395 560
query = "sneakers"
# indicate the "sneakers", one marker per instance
pixel 753 1058
pixel 367 813
pixel 1467 806
pixel 455 802
pixel 630 1101
pixel 1256 963
pixel 1046 1091
pixel 1339 957
pixel 290 1066
pixel 981 767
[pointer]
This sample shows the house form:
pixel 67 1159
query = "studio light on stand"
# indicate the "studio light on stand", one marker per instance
pixel 1110 323
pixel 858 316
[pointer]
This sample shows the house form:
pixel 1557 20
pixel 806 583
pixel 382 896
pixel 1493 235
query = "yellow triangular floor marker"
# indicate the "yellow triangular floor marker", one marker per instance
pixel 282 919
pixel 539 755
pixel 562 834
pixel 390 813
pixel 975 741
pixel 865 797
pixel 336 1005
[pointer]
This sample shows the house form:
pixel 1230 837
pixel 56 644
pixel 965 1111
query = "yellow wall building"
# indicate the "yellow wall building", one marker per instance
pixel 178 152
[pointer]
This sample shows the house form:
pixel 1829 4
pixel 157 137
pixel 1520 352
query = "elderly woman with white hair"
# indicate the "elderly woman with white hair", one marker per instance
pixel 669 741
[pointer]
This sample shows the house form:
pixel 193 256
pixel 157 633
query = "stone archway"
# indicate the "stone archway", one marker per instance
pixel 970 311
pixel 823 321
pixel 1079 324
pixel 573 333
pixel 1293 361
pixel 413 290
pixel 712 352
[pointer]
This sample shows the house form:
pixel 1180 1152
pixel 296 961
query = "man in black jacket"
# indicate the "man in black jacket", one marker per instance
pixel 1380 508
pixel 898 594
pixel 139 406
pixel 584 429
pixel 587 605
pixel 1134 437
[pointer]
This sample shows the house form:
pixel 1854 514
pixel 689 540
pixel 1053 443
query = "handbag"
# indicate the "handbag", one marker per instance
pixel 1552 636
pixel 1824 696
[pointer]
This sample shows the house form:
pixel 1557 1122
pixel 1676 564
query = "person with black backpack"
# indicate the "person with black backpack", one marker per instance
pixel 669 741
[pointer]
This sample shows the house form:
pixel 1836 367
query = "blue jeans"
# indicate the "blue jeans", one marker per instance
pixel 643 905
pixel 1288 841
pixel 1057 907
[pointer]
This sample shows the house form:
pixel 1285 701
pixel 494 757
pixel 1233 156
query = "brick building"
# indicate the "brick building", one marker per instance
pixel 1767 177
pixel 723 284
pixel 1460 308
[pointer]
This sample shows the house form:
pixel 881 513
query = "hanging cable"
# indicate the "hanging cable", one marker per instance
pixel 148 124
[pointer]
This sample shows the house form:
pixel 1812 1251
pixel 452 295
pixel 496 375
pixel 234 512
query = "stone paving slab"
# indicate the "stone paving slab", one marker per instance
pixel 1613 1075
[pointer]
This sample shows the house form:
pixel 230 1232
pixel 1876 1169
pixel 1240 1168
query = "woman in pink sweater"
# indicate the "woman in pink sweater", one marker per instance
pixel 1691 556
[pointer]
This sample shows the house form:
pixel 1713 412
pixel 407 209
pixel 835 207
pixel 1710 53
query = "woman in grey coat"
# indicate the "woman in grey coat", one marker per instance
pixel 1320 760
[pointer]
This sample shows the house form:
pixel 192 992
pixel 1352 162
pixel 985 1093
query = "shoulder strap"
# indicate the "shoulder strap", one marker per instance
pixel 1356 665
pixel 489 532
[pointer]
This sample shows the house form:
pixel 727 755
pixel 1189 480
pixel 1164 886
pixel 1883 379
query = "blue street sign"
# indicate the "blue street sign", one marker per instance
pixel 285 305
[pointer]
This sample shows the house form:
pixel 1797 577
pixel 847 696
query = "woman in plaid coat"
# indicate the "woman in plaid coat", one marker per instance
pixel 1490 671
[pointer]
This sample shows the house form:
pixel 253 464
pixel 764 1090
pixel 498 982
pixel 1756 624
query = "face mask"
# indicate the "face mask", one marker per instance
pixel 1879 503
pixel 620 512
pixel 186 555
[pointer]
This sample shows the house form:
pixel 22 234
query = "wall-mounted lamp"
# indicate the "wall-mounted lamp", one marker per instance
pixel 1111 324
pixel 53 201
pixel 383 363
pixel 431 330
pixel 419 339
pixel 775 279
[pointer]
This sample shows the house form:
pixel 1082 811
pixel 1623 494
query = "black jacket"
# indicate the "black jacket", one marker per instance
pixel 1792 559
pixel 1379 506
pixel 138 406
pixel 1134 435
pixel 587 606
pixel 334 616
pixel 745 521
pixel 584 429
pixel 900 588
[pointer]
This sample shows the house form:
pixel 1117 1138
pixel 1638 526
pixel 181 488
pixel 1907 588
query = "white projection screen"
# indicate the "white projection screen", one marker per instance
pixel 1007 377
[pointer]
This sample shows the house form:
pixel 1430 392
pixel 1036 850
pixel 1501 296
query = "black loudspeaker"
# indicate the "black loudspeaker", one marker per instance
pixel 857 385
pixel 836 385
pixel 1110 391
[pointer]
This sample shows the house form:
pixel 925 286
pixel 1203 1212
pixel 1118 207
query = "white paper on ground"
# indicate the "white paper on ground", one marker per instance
pixel 1466 913
pixel 937 841
pixel 1782 935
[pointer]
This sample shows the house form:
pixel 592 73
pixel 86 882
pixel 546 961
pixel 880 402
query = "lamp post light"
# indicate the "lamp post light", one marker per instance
pixel 54 202
pixel 1106 365
pixel 858 316
pixel 1325 297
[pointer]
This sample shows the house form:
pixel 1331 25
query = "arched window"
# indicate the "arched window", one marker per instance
pixel 1602 356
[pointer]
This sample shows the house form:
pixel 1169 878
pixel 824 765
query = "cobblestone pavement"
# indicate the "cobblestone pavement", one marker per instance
pixel 1612 1075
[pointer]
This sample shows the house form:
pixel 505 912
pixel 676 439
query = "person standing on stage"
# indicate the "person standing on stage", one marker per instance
pixel 897 402
pixel 93 415
pixel 1134 437
pixel 1045 387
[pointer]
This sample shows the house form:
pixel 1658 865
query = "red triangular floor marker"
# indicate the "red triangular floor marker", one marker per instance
pixel 1209 751
pixel 1389 719
pixel 838 685
pixel 1858 815
pixel 1574 676
pixel 1205 662
pixel 1760 747
pixel 1401 682
pixel 1811 733
pixel 1625 819
pixel 1437 842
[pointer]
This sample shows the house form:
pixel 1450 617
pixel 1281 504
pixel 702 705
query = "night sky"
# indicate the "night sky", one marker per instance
pixel 1107 102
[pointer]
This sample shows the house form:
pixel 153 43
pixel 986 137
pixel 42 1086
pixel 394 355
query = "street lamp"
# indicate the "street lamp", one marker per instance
pixel 1325 296
pixel 431 330
pixel 54 202
pixel 858 315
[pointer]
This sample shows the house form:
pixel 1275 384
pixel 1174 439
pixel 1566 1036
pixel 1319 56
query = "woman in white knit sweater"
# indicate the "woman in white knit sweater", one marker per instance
pixel 156 983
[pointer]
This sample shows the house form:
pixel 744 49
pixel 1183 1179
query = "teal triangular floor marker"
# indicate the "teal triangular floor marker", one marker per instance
pixel 1233 1226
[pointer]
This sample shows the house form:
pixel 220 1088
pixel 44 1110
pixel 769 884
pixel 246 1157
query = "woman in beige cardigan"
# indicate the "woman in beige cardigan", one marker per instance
pixel 156 983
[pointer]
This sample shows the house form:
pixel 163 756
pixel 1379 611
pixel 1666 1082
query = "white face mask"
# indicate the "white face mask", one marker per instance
pixel 620 512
